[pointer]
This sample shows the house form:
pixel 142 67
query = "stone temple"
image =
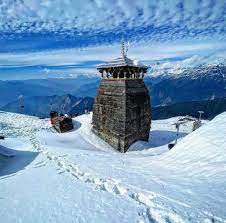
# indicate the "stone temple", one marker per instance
pixel 122 110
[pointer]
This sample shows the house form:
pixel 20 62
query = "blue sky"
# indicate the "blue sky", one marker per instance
pixel 64 38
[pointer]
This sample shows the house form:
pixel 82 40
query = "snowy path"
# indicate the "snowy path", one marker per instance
pixel 40 192
pixel 71 202
pixel 77 154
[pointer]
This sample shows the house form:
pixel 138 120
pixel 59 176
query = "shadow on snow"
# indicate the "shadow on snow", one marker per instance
pixel 157 138
pixel 11 165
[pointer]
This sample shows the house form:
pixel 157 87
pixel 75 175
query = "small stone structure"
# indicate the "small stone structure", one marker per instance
pixel 122 111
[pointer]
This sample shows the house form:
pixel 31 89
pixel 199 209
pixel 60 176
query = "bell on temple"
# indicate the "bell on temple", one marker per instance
pixel 122 110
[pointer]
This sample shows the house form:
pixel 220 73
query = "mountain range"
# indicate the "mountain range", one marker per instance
pixel 192 84
pixel 11 90
pixel 211 108
pixel 176 91
pixel 42 105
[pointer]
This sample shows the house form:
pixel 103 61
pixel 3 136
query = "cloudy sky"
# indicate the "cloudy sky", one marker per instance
pixel 64 38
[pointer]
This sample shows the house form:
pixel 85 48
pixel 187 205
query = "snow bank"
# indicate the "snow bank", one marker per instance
pixel 202 151
pixel 35 188
pixel 17 125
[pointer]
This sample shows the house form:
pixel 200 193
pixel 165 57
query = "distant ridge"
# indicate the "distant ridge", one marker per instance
pixel 198 84
pixel 211 108
pixel 41 105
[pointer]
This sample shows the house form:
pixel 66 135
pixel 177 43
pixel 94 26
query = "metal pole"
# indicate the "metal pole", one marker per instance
pixel 178 127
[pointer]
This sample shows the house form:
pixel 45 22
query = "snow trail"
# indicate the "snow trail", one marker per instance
pixel 112 186
pixel 25 126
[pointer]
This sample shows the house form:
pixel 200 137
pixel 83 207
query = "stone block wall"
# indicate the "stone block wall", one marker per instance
pixel 122 112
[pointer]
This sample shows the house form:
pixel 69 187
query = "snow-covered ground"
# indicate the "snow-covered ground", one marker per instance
pixel 76 177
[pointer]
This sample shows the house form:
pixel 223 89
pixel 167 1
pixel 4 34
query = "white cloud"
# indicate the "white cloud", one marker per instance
pixel 74 56
pixel 67 16
pixel 158 30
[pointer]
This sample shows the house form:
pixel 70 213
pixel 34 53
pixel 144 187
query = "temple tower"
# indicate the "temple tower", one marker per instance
pixel 122 111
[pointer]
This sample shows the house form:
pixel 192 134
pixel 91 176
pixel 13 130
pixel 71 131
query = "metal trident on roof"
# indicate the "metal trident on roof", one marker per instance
pixel 124 49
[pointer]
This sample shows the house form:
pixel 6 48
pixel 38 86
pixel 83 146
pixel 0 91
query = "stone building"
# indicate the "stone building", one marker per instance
pixel 122 111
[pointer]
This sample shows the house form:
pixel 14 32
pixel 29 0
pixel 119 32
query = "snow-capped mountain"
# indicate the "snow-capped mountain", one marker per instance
pixel 180 67
pixel 83 179
pixel 166 87
pixel 190 84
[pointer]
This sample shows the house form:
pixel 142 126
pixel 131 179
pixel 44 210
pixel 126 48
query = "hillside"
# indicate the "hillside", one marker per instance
pixel 42 105
pixel 11 90
pixel 77 169
pixel 211 108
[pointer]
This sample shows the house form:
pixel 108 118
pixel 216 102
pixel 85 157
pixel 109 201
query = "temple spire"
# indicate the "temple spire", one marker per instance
pixel 122 67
